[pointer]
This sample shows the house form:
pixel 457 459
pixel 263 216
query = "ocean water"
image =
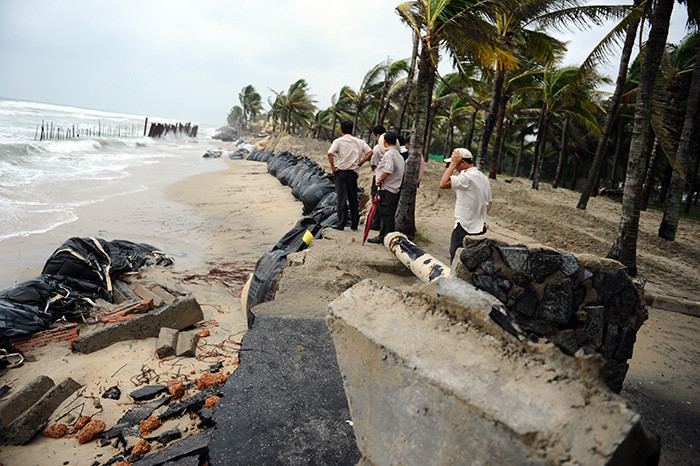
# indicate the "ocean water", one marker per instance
pixel 43 183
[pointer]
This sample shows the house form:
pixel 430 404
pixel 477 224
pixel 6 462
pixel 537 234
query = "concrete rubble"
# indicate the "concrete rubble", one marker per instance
pixel 431 377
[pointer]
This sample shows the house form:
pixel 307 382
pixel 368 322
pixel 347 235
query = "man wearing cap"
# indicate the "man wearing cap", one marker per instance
pixel 473 197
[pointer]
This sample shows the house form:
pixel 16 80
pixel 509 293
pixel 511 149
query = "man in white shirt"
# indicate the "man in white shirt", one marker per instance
pixel 389 175
pixel 473 197
pixel 345 155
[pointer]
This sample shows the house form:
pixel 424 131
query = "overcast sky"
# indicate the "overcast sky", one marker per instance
pixel 189 59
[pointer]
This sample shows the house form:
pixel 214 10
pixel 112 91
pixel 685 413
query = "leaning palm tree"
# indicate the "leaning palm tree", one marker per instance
pixel 462 27
pixel 299 105
pixel 624 248
pixel 250 102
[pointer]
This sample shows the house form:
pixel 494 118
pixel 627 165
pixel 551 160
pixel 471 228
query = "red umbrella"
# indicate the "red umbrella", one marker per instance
pixel 370 217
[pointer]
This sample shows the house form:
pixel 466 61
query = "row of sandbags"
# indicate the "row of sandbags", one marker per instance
pixel 80 269
pixel 315 188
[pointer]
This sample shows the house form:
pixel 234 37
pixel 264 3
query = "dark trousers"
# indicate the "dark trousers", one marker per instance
pixel 388 202
pixel 346 189
pixel 457 239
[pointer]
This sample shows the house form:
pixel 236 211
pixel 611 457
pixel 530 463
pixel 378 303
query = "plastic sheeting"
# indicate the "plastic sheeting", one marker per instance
pixel 80 269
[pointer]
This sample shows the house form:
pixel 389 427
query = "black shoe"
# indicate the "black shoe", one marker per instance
pixel 376 240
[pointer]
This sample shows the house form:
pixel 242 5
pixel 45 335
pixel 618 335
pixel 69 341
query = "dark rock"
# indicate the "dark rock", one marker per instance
pixel 105 441
pixel 216 367
pixel 531 325
pixel 520 279
pixel 496 286
pixel 135 415
pixel 569 264
pixel 113 393
pixel 472 256
pixel 191 404
pixel 623 303
pixel 166 437
pixel 577 297
pixel 626 343
pixel 206 417
pixel 611 339
pixel 148 392
pixel 488 267
pixel 543 264
pixel 582 276
pixel 515 257
pixel 114 459
pixel 609 282
pixel 616 376
pixel 566 341
pixel 527 303
pixel 225 133
pixel 195 445
pixel 595 324
pixel 556 303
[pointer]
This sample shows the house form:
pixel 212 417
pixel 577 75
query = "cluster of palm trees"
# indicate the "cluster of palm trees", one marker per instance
pixel 514 105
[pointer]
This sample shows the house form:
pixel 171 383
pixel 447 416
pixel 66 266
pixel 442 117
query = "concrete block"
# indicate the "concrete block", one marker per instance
pixel 187 344
pixel 146 294
pixel 23 399
pixel 29 423
pixel 167 342
pixel 424 388
pixel 178 315
pixel 167 297
pixel 121 292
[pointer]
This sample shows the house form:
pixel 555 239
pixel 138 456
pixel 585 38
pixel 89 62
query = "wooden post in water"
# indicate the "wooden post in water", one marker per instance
pixel 145 126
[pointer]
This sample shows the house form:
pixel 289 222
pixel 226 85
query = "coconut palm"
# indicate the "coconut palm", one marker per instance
pixel 624 248
pixel 341 107
pixel 391 70
pixel 409 83
pixel 250 102
pixel 463 29
pixel 669 223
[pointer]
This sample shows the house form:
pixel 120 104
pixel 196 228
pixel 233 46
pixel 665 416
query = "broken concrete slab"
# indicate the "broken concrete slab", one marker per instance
pixel 146 294
pixel 167 342
pixel 424 388
pixel 187 344
pixel 30 422
pixel 178 315
pixel 164 295
pixel 195 445
pixel 23 399
pixel 122 292
pixel 285 403
pixel 148 392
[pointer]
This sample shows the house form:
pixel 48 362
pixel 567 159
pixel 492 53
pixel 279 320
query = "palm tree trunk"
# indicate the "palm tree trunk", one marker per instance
pixel 501 150
pixel 624 248
pixel 669 223
pixel 592 179
pixel 405 212
pixel 618 149
pixel 562 150
pixel 520 154
pixel 692 180
pixel 649 178
pixel 354 122
pixel 497 142
pixel 409 83
pixel 429 133
pixel 448 139
pixel 540 157
pixel 538 141
pixel 490 117
pixel 470 138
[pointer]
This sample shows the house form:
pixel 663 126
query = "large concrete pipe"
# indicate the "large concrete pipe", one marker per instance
pixel 422 264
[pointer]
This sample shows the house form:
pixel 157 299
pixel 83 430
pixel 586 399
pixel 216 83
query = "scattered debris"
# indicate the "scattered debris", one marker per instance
pixel 91 430
pixel 55 431
pixel 141 448
pixel 112 393
pixel 148 425
pixel 176 389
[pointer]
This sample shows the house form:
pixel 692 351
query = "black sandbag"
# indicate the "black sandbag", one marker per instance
pixel 314 193
pixel 292 173
pixel 321 213
pixel 264 156
pixel 253 155
pixel 303 168
pixel 287 172
pixel 83 260
pixel 128 256
pixel 18 320
pixel 266 274
pixel 293 241
pixel 309 177
pixel 279 161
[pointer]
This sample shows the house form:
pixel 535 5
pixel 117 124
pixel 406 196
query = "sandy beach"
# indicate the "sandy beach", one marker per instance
pixel 225 218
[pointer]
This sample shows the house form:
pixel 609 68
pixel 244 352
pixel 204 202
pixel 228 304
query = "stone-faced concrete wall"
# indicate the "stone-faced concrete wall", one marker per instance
pixel 573 300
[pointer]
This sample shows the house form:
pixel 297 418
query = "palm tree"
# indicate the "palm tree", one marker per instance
pixel 628 27
pixel 669 223
pixel 299 106
pixel 250 102
pixel 409 82
pixel 391 71
pixel 624 248
pixel 460 26
pixel 341 106
pixel 235 117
